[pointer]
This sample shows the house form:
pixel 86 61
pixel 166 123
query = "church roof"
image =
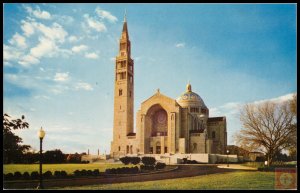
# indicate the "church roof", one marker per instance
pixel 190 98
pixel 216 119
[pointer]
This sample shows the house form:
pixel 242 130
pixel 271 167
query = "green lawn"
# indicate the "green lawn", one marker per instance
pixel 234 180
pixel 69 168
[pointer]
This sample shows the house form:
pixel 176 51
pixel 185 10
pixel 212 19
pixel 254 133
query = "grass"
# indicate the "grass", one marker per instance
pixel 234 181
pixel 69 168
pixel 261 164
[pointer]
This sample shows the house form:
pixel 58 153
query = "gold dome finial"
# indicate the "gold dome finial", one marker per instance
pixel 189 87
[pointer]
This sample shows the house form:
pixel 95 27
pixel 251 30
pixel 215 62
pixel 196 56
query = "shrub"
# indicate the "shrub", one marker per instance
pixel 77 173
pixel 89 173
pixel 259 159
pixel 125 160
pixel 136 169
pixel 47 174
pixel 57 174
pixel 17 175
pixel 26 176
pixel 108 171
pixel 83 172
pixel 184 160
pixel 160 165
pixel 63 174
pixel 34 175
pixel 147 167
pixel 135 160
pixel 96 172
pixel 150 161
pixel 113 171
pixel 9 176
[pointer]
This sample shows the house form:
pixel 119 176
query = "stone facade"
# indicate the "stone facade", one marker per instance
pixel 163 125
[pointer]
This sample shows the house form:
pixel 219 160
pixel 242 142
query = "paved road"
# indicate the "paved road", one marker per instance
pixel 182 171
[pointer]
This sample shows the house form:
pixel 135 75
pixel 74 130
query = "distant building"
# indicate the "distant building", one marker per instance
pixel 163 124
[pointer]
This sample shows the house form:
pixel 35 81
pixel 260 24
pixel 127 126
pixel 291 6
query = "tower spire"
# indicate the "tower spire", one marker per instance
pixel 125 16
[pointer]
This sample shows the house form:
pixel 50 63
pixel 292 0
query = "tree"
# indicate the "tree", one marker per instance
pixel 54 156
pixel 267 127
pixel 293 141
pixel 12 149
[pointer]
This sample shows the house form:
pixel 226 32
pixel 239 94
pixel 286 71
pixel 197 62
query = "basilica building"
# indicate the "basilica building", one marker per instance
pixel 163 125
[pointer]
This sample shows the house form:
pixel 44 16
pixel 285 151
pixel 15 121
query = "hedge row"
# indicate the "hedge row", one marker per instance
pixel 48 175
pixel 123 170
pixel 34 175
pixel 86 173
pixel 158 166
pixel 273 167
pixel 186 161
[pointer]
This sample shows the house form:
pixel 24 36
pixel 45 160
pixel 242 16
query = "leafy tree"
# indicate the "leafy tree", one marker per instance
pixel 12 149
pixel 54 156
pixel 267 127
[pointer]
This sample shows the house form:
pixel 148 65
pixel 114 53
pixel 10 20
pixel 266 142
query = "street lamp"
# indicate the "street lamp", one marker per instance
pixel 227 157
pixel 41 135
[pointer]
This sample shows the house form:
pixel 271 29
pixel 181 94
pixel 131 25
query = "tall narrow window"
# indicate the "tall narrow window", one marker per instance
pixel 213 134
pixel 129 93
pixel 119 148
pixel 120 92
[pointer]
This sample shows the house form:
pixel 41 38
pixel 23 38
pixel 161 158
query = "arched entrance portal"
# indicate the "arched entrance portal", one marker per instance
pixel 156 129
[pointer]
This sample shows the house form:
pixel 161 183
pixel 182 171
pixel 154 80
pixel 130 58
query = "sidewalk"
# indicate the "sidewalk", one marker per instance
pixel 236 167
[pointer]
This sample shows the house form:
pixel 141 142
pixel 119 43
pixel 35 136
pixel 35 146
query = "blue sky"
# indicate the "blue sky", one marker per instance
pixel 59 62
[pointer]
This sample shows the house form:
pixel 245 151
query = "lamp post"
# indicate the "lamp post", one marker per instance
pixel 41 135
pixel 227 158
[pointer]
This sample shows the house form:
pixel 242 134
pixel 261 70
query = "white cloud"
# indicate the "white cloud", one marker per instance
pixel 38 13
pixel 58 89
pixel 83 86
pixel 10 53
pixel 27 60
pixel 73 39
pixel 106 15
pixel 56 32
pixel 61 77
pixel 280 99
pixel 18 41
pixel 65 19
pixel 179 45
pixel 92 55
pixel 79 48
pixel 27 28
pixel 46 47
pixel 94 24
pixel 42 97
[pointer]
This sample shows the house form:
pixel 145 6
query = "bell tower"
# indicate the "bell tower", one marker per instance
pixel 123 94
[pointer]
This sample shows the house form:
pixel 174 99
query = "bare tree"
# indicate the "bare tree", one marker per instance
pixel 267 127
